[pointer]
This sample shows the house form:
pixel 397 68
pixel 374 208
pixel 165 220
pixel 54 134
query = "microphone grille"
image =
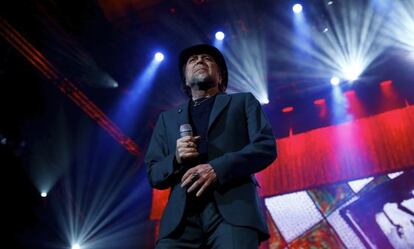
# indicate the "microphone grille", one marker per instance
pixel 186 130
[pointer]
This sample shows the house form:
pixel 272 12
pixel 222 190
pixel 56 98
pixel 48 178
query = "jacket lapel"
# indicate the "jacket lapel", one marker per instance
pixel 182 116
pixel 220 103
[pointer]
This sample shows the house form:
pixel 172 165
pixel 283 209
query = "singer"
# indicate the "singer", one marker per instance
pixel 207 151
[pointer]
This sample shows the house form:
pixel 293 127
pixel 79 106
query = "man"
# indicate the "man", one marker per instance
pixel 213 201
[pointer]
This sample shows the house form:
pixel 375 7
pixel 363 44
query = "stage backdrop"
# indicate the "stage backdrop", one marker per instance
pixel 356 149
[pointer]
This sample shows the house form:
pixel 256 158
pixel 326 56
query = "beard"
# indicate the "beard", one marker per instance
pixel 201 82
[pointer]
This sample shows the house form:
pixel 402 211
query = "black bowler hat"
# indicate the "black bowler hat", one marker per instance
pixel 204 49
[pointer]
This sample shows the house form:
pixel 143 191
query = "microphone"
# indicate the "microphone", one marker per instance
pixel 186 130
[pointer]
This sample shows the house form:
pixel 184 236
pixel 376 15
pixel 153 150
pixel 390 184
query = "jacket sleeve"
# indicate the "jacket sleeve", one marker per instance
pixel 259 153
pixel 160 162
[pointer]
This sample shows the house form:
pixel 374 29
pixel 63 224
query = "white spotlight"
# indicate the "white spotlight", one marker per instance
pixel 264 101
pixel 335 81
pixel 352 72
pixel 219 35
pixel 43 194
pixel 76 246
pixel 159 56
pixel 297 8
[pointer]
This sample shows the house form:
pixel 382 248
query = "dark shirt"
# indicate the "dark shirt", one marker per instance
pixel 199 118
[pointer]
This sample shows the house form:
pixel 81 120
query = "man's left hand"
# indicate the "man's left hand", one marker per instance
pixel 201 176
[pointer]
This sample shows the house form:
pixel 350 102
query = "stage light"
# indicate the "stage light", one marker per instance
pixel 248 59
pixel 137 94
pixel 43 194
pixel 220 35
pixel 319 101
pixel 350 93
pixel 287 109
pixel 386 83
pixel 400 30
pixel 345 47
pixel 330 2
pixel 76 246
pixel 352 72
pixel 218 42
pixel 297 8
pixel 264 101
pixel 159 56
pixel 114 84
pixel 335 81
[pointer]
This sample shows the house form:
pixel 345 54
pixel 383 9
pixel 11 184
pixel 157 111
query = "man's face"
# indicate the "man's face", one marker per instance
pixel 201 70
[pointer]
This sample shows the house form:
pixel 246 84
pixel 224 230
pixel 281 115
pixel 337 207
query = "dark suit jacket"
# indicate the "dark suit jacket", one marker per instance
pixel 240 143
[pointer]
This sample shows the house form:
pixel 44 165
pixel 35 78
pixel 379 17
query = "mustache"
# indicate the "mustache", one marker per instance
pixel 200 68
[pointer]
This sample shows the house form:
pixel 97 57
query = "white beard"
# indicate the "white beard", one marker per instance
pixel 201 82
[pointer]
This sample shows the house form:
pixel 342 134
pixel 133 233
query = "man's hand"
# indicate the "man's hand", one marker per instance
pixel 201 177
pixel 186 148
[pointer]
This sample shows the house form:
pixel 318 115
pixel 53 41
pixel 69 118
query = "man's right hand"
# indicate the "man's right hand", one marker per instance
pixel 186 148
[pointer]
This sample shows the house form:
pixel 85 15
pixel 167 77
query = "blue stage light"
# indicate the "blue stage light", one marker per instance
pixel 335 81
pixel 297 8
pixel 220 35
pixel 159 56
pixel 76 246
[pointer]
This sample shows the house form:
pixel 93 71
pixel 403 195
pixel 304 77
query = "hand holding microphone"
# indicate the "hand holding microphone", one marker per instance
pixel 197 178
pixel 186 145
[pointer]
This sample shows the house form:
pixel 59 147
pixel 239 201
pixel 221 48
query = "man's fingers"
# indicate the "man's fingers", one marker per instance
pixel 188 139
pixel 187 177
pixel 189 155
pixel 187 181
pixel 195 139
pixel 187 174
pixel 182 151
pixel 184 145
pixel 193 186
pixel 201 177
pixel 203 188
pixel 185 139
pixel 186 148
pixel 191 145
